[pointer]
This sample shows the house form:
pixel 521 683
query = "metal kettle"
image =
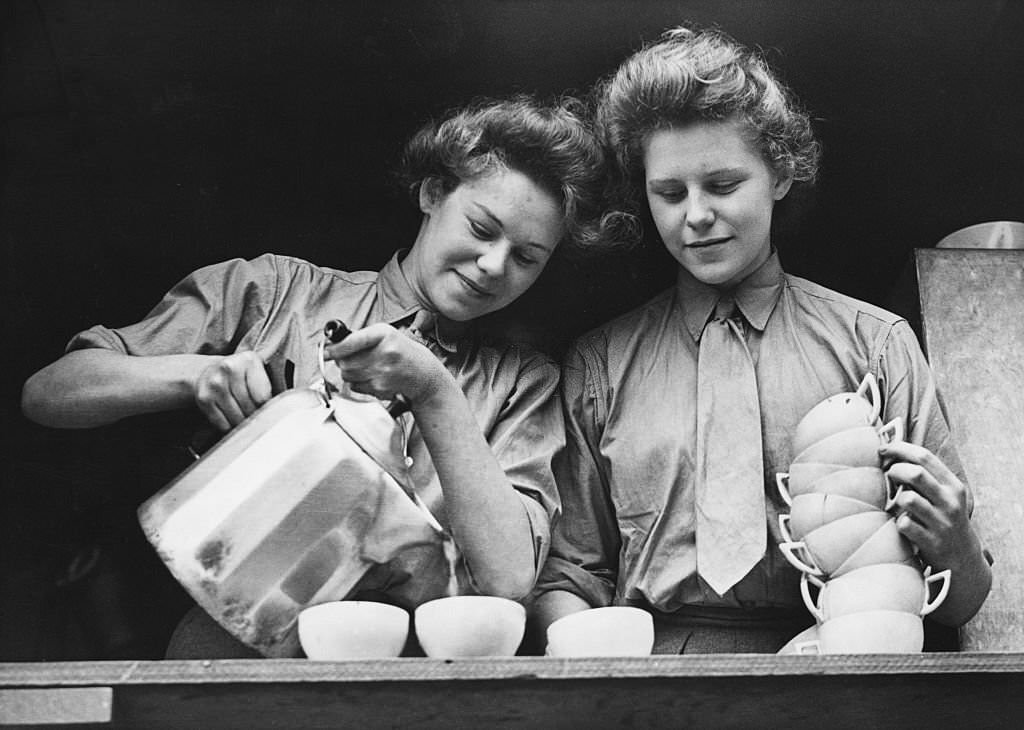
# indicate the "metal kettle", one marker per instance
pixel 288 510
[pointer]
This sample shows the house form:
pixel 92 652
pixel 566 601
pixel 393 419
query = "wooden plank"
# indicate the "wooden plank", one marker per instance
pixel 741 690
pixel 972 311
pixel 60 706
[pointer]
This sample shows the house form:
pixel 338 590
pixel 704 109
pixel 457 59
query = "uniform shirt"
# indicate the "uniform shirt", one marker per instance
pixel 278 305
pixel 627 479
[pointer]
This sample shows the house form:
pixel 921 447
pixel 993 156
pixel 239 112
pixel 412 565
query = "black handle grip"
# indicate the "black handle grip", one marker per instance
pixel 336 330
pixel 398 406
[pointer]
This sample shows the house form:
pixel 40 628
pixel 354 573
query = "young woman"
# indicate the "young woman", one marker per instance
pixel 500 185
pixel 710 141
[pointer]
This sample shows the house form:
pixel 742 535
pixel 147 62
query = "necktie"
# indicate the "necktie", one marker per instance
pixel 730 503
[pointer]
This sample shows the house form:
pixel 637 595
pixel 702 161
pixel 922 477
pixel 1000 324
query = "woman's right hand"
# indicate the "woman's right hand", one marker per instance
pixel 232 388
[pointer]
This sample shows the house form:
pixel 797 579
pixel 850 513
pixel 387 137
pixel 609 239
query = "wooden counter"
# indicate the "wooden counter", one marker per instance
pixel 984 690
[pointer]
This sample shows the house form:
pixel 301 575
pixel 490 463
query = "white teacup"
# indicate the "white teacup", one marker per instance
pixel 812 510
pixel 854 447
pixel 824 550
pixel 865 483
pixel 884 586
pixel 470 626
pixel 801 476
pixel 606 631
pixel 868 632
pixel 838 413
pixel 885 545
pixel 353 630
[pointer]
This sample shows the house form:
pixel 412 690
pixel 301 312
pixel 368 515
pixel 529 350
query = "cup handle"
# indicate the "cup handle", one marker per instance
pixel 869 385
pixel 782 484
pixel 789 550
pixel 805 591
pixel 784 527
pixel 892 431
pixel 800 647
pixel 930 604
pixel 892 491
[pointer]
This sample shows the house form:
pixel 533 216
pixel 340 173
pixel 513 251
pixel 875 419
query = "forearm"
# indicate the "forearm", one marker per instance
pixel 970 582
pixel 95 387
pixel 553 605
pixel 487 517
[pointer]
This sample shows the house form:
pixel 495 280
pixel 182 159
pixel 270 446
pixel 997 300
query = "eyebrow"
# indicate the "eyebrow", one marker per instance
pixel 487 212
pixel 720 172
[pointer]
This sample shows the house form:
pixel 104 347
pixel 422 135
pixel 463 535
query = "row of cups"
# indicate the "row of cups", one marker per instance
pixel 450 627
pixel 840 533
pixel 466 626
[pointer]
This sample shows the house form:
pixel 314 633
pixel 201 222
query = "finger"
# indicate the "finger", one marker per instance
pixel 949 497
pixel 912 505
pixel 916 477
pixel 214 415
pixel 360 340
pixel 365 387
pixel 903 451
pixel 917 533
pixel 251 388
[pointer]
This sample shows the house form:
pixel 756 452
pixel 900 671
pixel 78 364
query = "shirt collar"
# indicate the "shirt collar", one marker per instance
pixel 398 305
pixel 756 296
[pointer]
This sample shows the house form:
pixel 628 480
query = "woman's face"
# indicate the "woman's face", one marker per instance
pixel 711 196
pixel 483 244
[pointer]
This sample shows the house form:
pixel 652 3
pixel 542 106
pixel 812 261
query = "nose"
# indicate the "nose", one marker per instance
pixel 493 259
pixel 699 211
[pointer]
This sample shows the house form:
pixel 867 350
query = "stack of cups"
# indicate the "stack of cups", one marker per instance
pixel 871 590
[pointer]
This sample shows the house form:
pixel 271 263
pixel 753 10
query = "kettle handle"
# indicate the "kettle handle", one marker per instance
pixel 334 332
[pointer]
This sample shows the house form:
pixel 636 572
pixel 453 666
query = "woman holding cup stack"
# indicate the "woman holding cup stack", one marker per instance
pixel 680 413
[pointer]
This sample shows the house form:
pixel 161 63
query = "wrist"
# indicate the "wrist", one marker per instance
pixel 436 390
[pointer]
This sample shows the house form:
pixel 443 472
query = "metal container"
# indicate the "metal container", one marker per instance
pixel 290 510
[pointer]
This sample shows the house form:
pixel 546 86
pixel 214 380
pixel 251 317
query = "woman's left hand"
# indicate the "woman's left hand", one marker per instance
pixel 934 506
pixel 381 361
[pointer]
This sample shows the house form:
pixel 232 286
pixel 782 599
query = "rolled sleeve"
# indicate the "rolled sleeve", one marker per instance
pixel 210 312
pixel 911 393
pixel 585 540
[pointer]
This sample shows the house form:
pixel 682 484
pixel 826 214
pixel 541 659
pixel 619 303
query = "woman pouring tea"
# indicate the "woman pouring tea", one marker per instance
pixel 500 185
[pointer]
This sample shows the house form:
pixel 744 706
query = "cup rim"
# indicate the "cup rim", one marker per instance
pixel 351 606
pixel 799 458
pixel 437 603
pixel 875 612
pixel 578 615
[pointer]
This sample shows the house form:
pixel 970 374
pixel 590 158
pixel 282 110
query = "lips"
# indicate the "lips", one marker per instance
pixel 473 286
pixel 707 242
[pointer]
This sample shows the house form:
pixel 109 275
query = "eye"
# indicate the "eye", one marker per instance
pixel 480 230
pixel 524 258
pixel 724 187
pixel 670 195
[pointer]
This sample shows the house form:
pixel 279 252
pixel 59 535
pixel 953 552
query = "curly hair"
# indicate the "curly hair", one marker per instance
pixel 702 75
pixel 552 143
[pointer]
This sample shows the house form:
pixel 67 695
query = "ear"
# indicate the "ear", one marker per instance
pixel 783 182
pixel 431 194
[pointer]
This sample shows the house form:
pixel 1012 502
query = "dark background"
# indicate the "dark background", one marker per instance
pixel 145 139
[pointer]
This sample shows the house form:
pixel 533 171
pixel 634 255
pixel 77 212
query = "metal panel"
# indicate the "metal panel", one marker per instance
pixel 972 312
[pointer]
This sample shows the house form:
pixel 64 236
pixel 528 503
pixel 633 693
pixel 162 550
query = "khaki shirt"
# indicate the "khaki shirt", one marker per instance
pixel 278 305
pixel 627 478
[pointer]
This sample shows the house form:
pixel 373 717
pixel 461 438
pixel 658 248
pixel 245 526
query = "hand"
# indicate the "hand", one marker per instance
pixel 233 388
pixel 381 361
pixel 935 511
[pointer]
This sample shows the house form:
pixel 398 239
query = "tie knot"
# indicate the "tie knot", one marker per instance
pixel 725 308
